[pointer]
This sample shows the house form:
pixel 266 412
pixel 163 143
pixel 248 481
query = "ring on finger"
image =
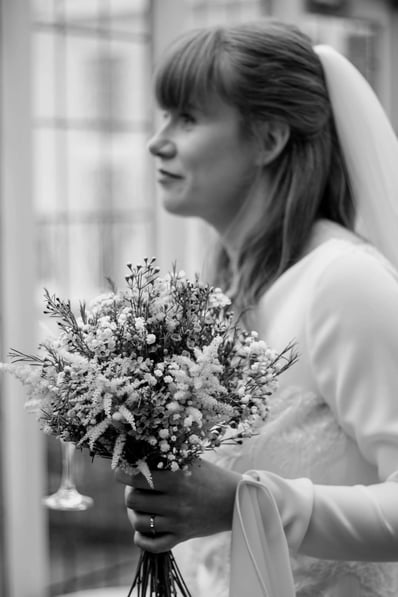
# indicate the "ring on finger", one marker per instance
pixel 152 524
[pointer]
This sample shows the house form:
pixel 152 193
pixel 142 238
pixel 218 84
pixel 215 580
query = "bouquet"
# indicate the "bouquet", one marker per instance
pixel 150 376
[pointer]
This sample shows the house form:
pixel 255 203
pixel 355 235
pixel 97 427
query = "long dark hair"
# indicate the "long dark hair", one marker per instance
pixel 269 72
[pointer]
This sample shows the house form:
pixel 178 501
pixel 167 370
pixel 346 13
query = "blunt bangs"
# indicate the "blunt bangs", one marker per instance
pixel 192 71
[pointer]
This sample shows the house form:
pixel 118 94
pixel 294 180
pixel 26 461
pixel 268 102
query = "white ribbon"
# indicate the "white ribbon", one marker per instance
pixel 260 562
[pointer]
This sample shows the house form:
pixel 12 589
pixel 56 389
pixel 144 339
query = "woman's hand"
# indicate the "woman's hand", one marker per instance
pixel 182 505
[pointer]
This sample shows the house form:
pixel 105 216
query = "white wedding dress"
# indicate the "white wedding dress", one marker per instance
pixel 333 422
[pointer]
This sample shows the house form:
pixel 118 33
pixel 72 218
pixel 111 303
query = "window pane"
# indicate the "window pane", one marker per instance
pixel 43 10
pixel 212 12
pixel 82 12
pixel 132 170
pixel 83 158
pixel 130 79
pixel 87 78
pixel 129 16
pixel 136 242
pixel 91 69
pixel 45 169
pixel 52 246
pixel 43 77
pixel 106 79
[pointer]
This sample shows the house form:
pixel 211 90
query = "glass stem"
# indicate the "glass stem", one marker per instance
pixel 68 450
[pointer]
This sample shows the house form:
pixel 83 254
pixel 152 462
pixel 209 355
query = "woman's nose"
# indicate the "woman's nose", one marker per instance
pixel 160 146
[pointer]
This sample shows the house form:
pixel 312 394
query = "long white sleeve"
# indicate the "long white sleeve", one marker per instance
pixel 352 342
pixel 351 345
pixel 354 523
pixel 335 522
pixel 274 515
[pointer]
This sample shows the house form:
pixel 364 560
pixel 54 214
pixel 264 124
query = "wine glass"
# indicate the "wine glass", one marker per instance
pixel 67 497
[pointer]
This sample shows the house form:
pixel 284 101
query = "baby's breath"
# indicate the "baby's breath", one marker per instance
pixel 152 375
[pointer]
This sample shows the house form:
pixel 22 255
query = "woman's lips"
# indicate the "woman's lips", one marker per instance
pixel 167 176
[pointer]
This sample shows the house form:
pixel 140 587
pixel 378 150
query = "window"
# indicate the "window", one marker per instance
pixel 207 12
pixel 357 39
pixel 91 67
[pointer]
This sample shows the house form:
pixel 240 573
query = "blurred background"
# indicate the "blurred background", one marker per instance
pixel 78 202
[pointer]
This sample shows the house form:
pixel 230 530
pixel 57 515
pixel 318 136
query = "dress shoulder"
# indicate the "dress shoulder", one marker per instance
pixel 357 288
pixel 352 343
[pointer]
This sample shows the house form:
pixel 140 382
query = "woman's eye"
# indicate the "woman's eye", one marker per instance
pixel 187 119
pixel 183 119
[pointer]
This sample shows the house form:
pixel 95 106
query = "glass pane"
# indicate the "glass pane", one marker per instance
pixel 132 6
pixel 100 248
pixel 134 242
pixel 82 12
pixel 83 153
pixel 45 170
pixel 43 69
pixel 106 80
pixel 357 39
pixel 132 170
pixel 361 47
pixel 87 239
pixel 253 10
pixel 129 16
pixel 87 79
pixel 43 10
pixel 221 12
pixel 129 79
pixel 94 214
pixel 52 244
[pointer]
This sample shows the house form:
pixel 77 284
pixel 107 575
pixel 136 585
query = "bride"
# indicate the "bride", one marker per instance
pixel 284 149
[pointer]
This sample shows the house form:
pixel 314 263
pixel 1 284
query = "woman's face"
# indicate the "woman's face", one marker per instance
pixel 206 163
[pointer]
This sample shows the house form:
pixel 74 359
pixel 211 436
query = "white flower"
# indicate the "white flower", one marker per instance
pixel 118 449
pixel 151 339
pixel 164 446
pixel 173 406
pixel 139 323
pixel 219 299
pixel 188 421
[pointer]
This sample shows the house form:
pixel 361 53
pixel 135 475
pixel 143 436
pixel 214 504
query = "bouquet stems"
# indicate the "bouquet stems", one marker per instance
pixel 158 576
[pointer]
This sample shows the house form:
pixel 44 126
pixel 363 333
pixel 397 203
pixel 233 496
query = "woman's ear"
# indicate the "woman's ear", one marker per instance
pixel 272 137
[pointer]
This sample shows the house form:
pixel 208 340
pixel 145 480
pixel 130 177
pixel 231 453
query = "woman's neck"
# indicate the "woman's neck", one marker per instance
pixel 253 210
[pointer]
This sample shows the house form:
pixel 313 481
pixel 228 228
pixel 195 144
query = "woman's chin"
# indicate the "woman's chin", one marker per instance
pixel 176 207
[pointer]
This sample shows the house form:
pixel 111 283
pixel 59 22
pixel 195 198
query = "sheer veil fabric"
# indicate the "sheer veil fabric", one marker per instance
pixel 370 148
pixel 260 564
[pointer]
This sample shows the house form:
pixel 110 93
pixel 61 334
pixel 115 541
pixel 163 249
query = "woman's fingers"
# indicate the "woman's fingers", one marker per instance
pixel 145 501
pixel 158 544
pixel 153 514
pixel 152 532
pixel 150 524
pixel 187 505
